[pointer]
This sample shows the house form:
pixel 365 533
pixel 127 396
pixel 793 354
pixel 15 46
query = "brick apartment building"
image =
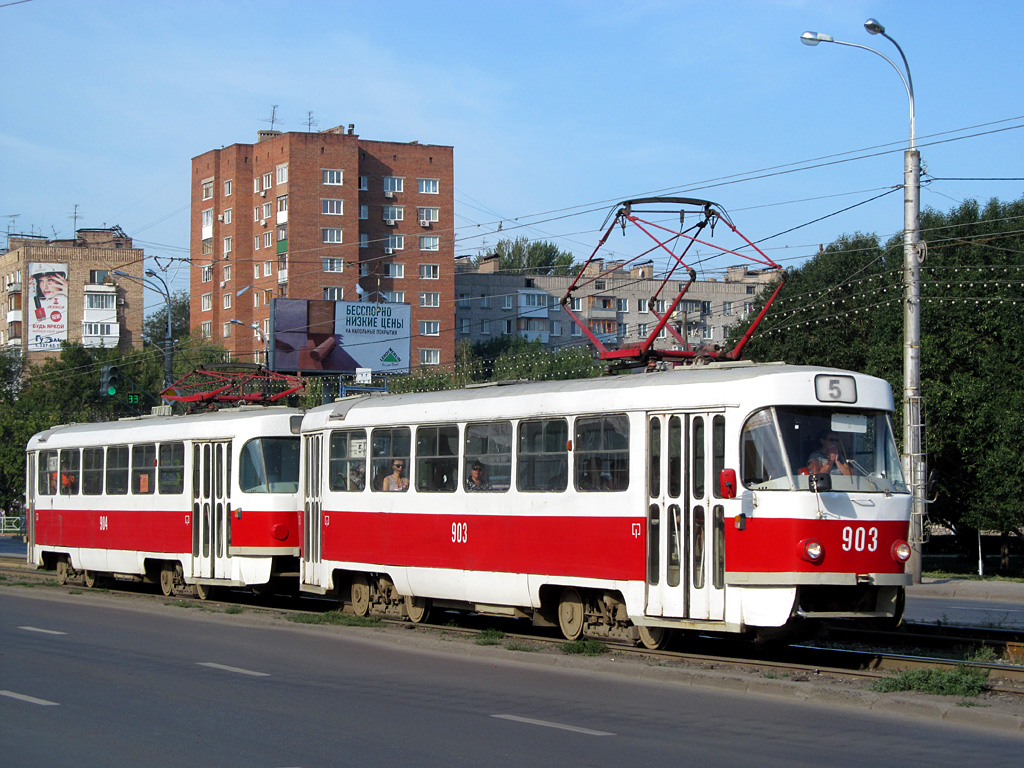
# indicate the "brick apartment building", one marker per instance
pixel 322 215
pixel 56 291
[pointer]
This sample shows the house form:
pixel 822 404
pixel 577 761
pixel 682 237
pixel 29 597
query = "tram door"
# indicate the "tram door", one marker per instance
pixel 682 581
pixel 211 509
pixel 312 513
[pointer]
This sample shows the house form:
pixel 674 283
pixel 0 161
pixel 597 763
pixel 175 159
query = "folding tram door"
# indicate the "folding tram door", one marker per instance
pixel 312 511
pixel 211 510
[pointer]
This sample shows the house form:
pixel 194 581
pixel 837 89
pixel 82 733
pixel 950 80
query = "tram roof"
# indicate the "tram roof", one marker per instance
pixel 706 387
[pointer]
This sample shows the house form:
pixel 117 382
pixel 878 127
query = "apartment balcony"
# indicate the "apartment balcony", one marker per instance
pixel 13 287
pixel 13 316
pixel 541 336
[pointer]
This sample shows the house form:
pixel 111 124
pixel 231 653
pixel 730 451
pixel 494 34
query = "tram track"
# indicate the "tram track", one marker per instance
pixel 850 653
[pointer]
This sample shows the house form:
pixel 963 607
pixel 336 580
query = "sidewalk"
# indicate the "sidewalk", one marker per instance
pixel 966 589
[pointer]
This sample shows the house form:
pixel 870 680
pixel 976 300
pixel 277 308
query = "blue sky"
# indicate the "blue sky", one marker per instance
pixel 555 109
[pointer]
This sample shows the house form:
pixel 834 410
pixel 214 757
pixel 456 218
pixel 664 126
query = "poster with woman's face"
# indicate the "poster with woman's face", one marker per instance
pixel 47 310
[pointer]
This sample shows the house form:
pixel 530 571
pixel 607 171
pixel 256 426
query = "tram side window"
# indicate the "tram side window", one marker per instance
pixel 542 460
pixel 144 468
pixel 270 465
pixel 348 460
pixel 70 471
pixel 47 473
pixel 92 471
pixel 488 446
pixel 718 453
pixel 601 460
pixel 437 458
pixel 117 470
pixel 391 451
pixel 172 467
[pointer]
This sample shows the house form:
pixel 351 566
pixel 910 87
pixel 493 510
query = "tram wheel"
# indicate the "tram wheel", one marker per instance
pixel 91 579
pixel 655 638
pixel 360 595
pixel 167 579
pixel 418 609
pixel 204 591
pixel 570 614
pixel 62 571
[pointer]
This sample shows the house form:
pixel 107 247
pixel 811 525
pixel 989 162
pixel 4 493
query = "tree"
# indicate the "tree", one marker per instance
pixel 843 308
pixel 155 325
pixel 523 256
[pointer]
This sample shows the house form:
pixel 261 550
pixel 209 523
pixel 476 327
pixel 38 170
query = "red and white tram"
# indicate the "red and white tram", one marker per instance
pixel 201 500
pixel 621 507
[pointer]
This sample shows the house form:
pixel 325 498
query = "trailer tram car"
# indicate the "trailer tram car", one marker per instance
pixel 185 501
pixel 620 507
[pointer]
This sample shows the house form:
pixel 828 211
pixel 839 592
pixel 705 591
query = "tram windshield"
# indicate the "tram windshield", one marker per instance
pixel 270 465
pixel 781 446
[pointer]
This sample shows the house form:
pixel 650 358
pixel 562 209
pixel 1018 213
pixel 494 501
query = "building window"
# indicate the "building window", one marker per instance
pixel 206 329
pixel 485 327
pixel 268 267
pixel 332 207
pixel 556 327
pixel 430 243
pixel 208 217
pixel 364 240
pixel 208 246
pixel 641 329
pixel 394 213
pixel 256 298
pixel 333 265
pixel 575 330
pixel 430 357
pixel 364 184
pixel 430 328
pixel 429 271
pixel 98 329
pixel 256 246
pixel 708 332
pixel 282 204
pixel 227 188
pixel 535 299
pixel 464 325
pixel 282 173
pixel 393 184
pixel 394 297
pixel 99 301
pixel 394 270
pixel 227 215
pixel 334 294
pixel 256 184
pixel 622 305
pixel 331 234
pixel 268 180
pixel 96 277
pixel 333 177
pixel 430 299
pixel 485 302
pixel 506 301
pixel 641 306
pixel 364 212
pixel 227 301
pixel 207 302
pixel 726 307
pixel 227 246
pixel 208 189
pixel 227 272
pixel 227 330
pixel 428 186
pixel 428 215
pixel 268 210
pixel 395 242
pixel 207 274
pixel 268 239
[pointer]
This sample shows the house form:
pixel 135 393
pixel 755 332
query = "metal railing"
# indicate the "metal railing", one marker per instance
pixel 12 525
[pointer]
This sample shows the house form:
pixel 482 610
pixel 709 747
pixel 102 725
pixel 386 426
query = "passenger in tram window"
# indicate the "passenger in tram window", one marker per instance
pixel 591 479
pixel 395 481
pixel 477 478
pixel 356 476
pixel 830 458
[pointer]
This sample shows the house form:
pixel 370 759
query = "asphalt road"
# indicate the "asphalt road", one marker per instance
pixel 89 682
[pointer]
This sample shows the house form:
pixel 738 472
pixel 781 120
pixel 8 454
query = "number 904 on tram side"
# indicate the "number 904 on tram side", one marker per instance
pixel 184 501
pixel 732 497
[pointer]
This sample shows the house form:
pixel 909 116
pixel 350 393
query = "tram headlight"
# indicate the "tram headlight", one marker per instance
pixel 812 551
pixel 901 551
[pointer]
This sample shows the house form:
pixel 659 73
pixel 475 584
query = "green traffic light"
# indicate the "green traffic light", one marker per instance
pixel 111 390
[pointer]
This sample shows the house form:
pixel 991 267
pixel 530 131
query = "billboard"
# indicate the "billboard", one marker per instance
pixel 310 335
pixel 47 306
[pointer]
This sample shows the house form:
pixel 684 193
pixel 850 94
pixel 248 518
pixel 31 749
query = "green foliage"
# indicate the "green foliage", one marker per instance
pixel 490 636
pixel 843 308
pixel 959 681
pixel 155 325
pixel 584 647
pixel 523 256
pixel 336 618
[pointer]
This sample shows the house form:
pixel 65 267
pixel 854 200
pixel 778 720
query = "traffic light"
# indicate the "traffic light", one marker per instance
pixel 110 380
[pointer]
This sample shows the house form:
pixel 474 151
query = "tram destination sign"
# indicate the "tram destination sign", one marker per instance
pixel 308 335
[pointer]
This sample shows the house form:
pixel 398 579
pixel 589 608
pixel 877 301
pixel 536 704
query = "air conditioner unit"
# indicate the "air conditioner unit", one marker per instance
pixel 120 300
pixel 223 283
pixel 424 222
pixel 263 222
pixel 220 217
pixel 263 193
pixel 388 193
pixel 389 222
pixel 388 251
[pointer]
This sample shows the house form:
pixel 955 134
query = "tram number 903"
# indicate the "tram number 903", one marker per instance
pixel 460 533
pixel 860 539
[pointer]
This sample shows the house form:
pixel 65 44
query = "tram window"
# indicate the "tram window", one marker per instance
pixel 601 456
pixel 675 457
pixel 654 451
pixel 391 449
pixel 143 468
pixel 348 460
pixel 92 471
pixel 437 458
pixel 543 460
pixel 674 541
pixel 47 477
pixel 698 547
pixel 698 457
pixel 718 453
pixel 117 470
pixel 718 548
pixel 70 471
pixel 269 465
pixel 653 543
pixel 172 467
pixel 489 445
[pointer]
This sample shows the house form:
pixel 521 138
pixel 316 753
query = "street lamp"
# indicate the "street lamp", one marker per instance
pixel 262 336
pixel 914 459
pixel 168 346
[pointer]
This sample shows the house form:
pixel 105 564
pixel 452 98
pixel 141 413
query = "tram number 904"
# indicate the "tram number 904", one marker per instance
pixel 860 538
pixel 460 533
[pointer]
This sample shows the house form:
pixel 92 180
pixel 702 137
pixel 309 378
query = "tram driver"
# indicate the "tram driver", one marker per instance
pixel 831 457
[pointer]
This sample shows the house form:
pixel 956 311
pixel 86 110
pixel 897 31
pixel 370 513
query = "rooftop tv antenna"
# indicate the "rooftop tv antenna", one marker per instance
pixel 310 122
pixel 273 118
pixel 74 217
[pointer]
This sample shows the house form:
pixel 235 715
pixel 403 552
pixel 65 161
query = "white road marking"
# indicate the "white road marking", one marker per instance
pixel 226 668
pixel 548 724
pixel 44 631
pixel 29 699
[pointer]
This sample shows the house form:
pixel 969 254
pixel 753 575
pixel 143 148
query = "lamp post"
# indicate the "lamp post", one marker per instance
pixel 168 346
pixel 914 459
pixel 262 336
